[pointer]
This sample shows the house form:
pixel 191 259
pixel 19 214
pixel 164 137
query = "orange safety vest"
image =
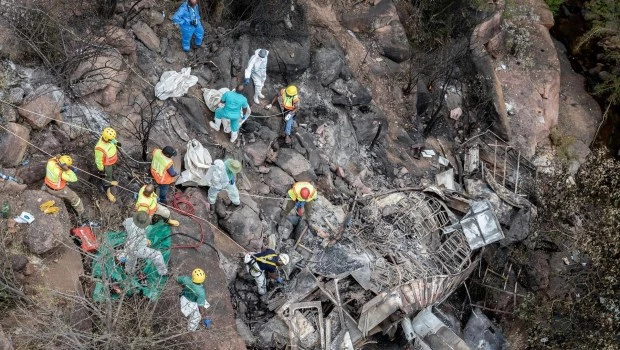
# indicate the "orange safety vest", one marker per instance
pixel 53 175
pixel 159 167
pixel 109 152
pixel 288 102
pixel 295 191
pixel 147 204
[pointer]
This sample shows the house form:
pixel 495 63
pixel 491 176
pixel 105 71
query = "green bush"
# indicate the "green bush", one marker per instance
pixel 554 5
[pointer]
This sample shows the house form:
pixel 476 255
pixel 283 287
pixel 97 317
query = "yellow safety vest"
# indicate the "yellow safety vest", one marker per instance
pixel 288 102
pixel 159 168
pixel 107 155
pixel 53 175
pixel 295 191
pixel 147 204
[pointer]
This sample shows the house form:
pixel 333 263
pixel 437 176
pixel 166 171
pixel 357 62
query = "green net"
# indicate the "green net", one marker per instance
pixel 105 267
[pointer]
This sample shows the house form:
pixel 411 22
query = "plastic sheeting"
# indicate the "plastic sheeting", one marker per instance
pixel 104 265
pixel 197 162
pixel 174 84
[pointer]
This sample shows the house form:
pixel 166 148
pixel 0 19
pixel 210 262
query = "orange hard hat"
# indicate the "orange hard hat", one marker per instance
pixel 305 193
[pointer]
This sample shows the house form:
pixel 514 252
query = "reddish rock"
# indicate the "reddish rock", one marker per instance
pixel 146 35
pixel 13 144
pixel 42 106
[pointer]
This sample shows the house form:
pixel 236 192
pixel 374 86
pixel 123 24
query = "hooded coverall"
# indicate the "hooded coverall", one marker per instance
pixel 220 178
pixel 137 248
pixel 265 261
pixel 257 69
pixel 188 19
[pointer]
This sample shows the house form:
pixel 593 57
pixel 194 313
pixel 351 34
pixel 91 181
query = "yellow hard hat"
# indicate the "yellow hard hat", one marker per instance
pixel 291 90
pixel 66 160
pixel 198 276
pixel 108 134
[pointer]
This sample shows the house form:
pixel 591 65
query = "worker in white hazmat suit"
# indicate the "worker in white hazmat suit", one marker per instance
pixel 221 177
pixel 137 246
pixel 257 69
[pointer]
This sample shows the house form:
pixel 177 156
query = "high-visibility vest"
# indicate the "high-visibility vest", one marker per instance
pixel 109 152
pixel 147 204
pixel 159 168
pixel 288 102
pixel 53 175
pixel 295 191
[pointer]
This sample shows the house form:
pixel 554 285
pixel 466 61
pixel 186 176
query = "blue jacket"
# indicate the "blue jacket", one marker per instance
pixel 185 14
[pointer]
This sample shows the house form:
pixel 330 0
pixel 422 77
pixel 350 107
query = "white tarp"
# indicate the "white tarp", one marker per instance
pixel 174 84
pixel 197 163
pixel 212 100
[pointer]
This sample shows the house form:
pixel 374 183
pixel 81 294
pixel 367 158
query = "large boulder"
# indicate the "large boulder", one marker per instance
pixel 33 172
pixel 279 181
pixel 327 64
pixel 194 113
pixel 13 144
pixel 366 122
pixel 8 113
pixel 256 152
pixel 244 226
pixel 42 106
pixel 146 35
pixel 289 57
pixel 46 232
pixel 98 72
pixel 121 40
pixel 295 165
pixel 350 93
pixel 82 117
pixel 518 56
pixel 383 23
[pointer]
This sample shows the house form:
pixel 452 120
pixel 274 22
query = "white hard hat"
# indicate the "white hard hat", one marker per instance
pixel 247 258
pixel 284 259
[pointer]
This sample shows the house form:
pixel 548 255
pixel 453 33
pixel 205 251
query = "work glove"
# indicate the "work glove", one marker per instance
pixel 246 81
pixel 287 116
pixel 268 106
pixel 279 280
pixel 74 169
pixel 118 144
pixel 231 181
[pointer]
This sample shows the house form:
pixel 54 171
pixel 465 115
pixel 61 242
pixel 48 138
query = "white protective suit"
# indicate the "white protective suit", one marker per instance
pixel 137 248
pixel 217 179
pixel 257 69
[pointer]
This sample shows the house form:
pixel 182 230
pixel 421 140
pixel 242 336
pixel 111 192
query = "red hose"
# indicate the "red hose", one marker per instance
pixel 182 205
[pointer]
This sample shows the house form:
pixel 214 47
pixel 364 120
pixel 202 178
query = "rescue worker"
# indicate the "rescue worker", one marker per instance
pixel 235 108
pixel 221 177
pixel 147 201
pixel 137 246
pixel 263 265
pixel 105 158
pixel 187 18
pixel 302 194
pixel 58 172
pixel 193 298
pixel 257 69
pixel 162 170
pixel 288 99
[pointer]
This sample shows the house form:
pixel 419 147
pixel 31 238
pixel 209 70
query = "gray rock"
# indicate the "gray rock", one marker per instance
pixel 223 61
pixel 204 74
pixel 350 93
pixel 279 181
pixel 480 333
pixel 295 165
pixel 13 144
pixel 245 333
pixel 519 227
pixel 42 106
pixel 46 232
pixel 244 226
pixel 256 152
pixel 366 122
pixel 146 35
pixel 155 18
pixel 327 64
pixel 8 113
pixel 267 134
pixel 33 172
pixel 307 141
pixel 394 42
pixel 121 40
pixel 289 57
pixel 18 263
pixel 194 113
pixel 5 342
pixel 97 73
pixel 274 332
pixel 16 95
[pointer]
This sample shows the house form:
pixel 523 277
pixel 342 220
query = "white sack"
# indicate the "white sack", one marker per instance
pixel 197 163
pixel 173 84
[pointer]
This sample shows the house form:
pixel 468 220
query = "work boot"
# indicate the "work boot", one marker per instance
pixel 287 140
pixel 173 222
pixel 216 126
pixel 256 100
pixel 261 95
pixel 111 197
pixel 233 136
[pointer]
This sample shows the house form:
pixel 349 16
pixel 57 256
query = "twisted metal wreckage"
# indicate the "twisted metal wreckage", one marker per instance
pixel 394 258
